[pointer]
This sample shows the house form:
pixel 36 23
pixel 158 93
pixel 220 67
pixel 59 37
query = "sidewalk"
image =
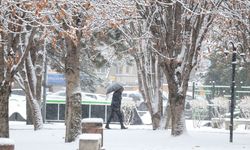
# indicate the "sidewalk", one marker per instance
pixel 134 138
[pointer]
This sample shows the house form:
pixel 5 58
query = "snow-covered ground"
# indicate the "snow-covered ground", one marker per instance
pixel 140 137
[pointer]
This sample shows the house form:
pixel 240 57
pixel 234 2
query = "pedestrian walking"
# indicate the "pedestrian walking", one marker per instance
pixel 116 108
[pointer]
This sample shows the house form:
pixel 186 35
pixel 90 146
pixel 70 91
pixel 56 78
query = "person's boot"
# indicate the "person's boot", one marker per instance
pixel 107 126
pixel 123 127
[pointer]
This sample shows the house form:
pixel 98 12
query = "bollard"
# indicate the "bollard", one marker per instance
pixel 93 125
pixel 90 141
pixel 6 144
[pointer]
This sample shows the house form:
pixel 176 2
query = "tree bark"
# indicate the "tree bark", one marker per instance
pixel 5 90
pixel 28 74
pixel 178 117
pixel 177 94
pixel 6 78
pixel 149 84
pixel 73 91
pixel 29 120
pixel 8 70
pixel 166 119
pixel 30 82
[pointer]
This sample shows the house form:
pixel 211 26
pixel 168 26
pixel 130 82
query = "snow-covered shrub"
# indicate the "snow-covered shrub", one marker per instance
pixel 199 111
pixel 198 104
pixel 221 106
pixel 244 106
pixel 221 102
pixel 128 107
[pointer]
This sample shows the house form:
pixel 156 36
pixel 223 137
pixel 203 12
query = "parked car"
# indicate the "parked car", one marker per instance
pixel 18 92
pixel 17 105
pixel 135 95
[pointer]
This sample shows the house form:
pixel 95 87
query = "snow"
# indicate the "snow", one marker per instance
pixel 89 136
pixel 6 141
pixel 137 137
pixel 92 120
pixel 146 118
pixel 17 104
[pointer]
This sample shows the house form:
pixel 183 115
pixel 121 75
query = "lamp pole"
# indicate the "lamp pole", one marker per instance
pixel 232 93
pixel 193 90
pixel 45 85
pixel 213 89
pixel 232 106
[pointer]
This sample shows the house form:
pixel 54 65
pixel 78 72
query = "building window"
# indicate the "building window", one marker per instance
pixel 118 70
pixel 101 70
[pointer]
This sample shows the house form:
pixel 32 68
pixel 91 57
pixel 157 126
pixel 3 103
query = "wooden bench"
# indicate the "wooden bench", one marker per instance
pixel 237 122
pixel 90 141
pixel 6 144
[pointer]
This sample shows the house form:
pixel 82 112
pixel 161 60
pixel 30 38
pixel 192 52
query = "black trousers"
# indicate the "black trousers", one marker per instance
pixel 118 113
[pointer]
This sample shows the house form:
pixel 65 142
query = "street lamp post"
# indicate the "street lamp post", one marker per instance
pixel 232 93
pixel 213 89
pixel 193 90
pixel 232 106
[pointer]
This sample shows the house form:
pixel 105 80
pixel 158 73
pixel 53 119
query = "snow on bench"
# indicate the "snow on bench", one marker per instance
pixel 237 122
pixel 88 141
pixel 6 144
pixel 219 122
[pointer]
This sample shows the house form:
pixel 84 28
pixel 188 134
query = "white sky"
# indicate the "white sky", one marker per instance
pixel 135 138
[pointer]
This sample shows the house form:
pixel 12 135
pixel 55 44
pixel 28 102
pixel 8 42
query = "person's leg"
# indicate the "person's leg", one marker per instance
pixel 119 114
pixel 109 119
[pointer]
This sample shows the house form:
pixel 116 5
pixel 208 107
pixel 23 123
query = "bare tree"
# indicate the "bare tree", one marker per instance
pixel 178 28
pixel 12 25
pixel 147 63
pixel 235 19
pixel 76 22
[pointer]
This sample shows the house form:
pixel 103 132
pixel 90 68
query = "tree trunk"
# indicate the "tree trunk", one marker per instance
pixel 149 85
pixel 34 74
pixel 166 119
pixel 6 78
pixel 178 116
pixel 177 94
pixel 73 91
pixel 28 75
pixel 4 109
pixel 28 112
pixel 7 72
pixel 39 69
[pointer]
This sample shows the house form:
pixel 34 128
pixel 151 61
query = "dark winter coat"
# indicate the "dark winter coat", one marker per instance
pixel 116 100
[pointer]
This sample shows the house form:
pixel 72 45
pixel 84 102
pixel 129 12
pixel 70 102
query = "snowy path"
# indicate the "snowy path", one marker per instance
pixel 161 140
pixel 135 138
